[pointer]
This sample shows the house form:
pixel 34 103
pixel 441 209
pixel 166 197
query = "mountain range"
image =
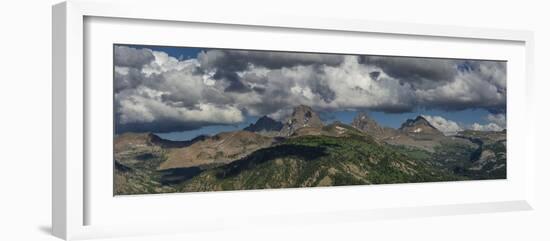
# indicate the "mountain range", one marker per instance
pixel 304 152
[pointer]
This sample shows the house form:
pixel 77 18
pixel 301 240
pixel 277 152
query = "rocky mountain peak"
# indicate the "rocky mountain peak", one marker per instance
pixel 302 116
pixel 365 123
pixel 265 124
pixel 419 125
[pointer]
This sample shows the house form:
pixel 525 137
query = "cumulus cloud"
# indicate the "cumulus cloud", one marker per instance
pixel 448 127
pixel 499 119
pixel 167 94
pixel 449 84
pixel 496 122
pixel 131 57
pixel 226 63
pixel 157 92
pixel 469 89
pixel 144 109
pixel 487 127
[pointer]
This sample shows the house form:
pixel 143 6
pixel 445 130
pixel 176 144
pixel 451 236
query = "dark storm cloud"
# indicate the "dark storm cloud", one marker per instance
pixel 238 60
pixel 416 71
pixel 178 101
pixel 158 126
pixel 156 92
pixel 374 75
pixel 232 78
pixel 324 91
pixel 131 79
pixel 131 57
pixel 319 85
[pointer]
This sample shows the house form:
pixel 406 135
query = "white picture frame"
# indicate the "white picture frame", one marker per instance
pixel 74 200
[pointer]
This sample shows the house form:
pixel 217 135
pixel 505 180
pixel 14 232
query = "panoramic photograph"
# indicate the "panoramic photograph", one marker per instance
pixel 190 119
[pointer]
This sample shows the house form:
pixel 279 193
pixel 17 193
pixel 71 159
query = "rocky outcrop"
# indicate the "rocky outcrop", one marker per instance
pixel 419 126
pixel 302 116
pixel 265 124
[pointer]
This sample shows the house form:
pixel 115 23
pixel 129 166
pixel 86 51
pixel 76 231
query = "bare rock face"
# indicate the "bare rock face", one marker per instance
pixel 302 116
pixel 419 126
pixel 366 124
pixel 487 155
pixel 265 124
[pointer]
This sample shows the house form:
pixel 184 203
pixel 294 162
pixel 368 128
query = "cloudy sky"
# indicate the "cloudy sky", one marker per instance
pixel 198 91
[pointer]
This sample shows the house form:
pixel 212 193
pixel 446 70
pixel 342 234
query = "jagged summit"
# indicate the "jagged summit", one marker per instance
pixel 365 123
pixel 265 124
pixel 419 125
pixel 302 116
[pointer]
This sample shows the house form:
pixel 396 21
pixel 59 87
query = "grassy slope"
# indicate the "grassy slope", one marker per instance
pixel 460 159
pixel 331 159
pixel 309 161
pixel 135 173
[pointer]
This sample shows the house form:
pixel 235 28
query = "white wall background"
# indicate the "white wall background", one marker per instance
pixel 25 120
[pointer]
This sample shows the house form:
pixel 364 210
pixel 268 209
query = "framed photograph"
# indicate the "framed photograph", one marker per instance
pixel 170 123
